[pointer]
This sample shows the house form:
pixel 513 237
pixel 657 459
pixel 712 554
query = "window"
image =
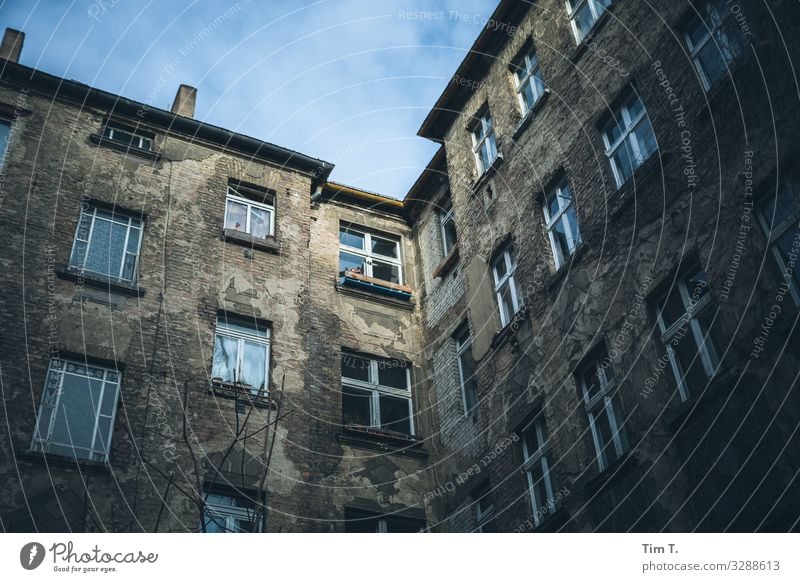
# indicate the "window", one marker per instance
pixel 562 223
pixel 528 81
pixel 685 320
pixel 376 393
pixel 106 243
pixel 229 514
pixel 536 451
pixel 596 380
pixel 447 224
pixel 780 219
pixel 360 521
pixel 241 355
pixel 715 40
pixel 484 144
pixel 484 511
pixel 5 132
pixel 583 14
pixel 505 288
pixel 373 255
pixel 243 214
pixel 466 369
pixel 129 137
pixel 76 417
pixel 629 138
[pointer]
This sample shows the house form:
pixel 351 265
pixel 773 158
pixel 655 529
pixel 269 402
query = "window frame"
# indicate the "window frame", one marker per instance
pixel 484 511
pixel 506 254
pixel 447 216
pixel 532 72
pixel 574 6
pixel 120 218
pixel 697 21
pixel 622 112
pixel 4 150
pixel 233 195
pixel 604 402
pixel 482 132
pixel 774 233
pixel 462 348
pixel 241 337
pixel 228 513
pixel 110 127
pixel 708 358
pixel 368 255
pixel 573 242
pixel 541 458
pixel 377 390
pixel 39 443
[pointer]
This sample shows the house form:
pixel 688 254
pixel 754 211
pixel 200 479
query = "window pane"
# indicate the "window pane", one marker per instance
pixel 591 381
pixel 697 286
pixel 506 305
pixel 78 254
pixel 689 362
pixel 532 442
pixel 539 488
pixel 237 216
pixel 355 368
pixel 393 373
pixel 560 240
pixel 604 436
pixel 387 248
pixel 254 366
pixel 572 218
pixel 76 413
pixel 696 32
pixel 351 238
pixel 386 272
pixel 529 94
pixel 468 380
pixel 259 222
pixel 449 232
pixel 784 245
pixel 350 262
pixel 672 309
pixel 394 414
pixel 356 407
pixel 646 140
pixel 500 266
pixel 5 129
pixel 624 165
pixel 583 20
pixel 225 353
pixel 711 63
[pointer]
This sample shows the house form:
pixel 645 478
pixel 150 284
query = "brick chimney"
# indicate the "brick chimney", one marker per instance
pixel 11 47
pixel 184 101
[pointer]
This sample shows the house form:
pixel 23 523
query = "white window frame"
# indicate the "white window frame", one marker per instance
pixel 574 6
pixel 51 399
pixel 775 232
pixel 4 150
pixel 447 215
pixel 484 511
pixel 222 329
pixel 226 515
pixel 234 196
pixel 703 341
pixel 483 134
pixel 118 218
pixel 367 254
pixel 526 73
pixel 538 458
pixel 603 403
pixel 462 348
pixel 628 137
pixel 377 390
pixel 506 280
pixel 573 239
pixel 142 142
pixel 708 36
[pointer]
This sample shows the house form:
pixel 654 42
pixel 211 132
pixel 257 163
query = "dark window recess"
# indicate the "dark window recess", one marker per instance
pixel 360 521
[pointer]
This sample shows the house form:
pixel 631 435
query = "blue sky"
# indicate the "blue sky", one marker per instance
pixel 349 81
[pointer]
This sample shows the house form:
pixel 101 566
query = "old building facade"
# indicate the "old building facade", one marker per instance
pixel 582 317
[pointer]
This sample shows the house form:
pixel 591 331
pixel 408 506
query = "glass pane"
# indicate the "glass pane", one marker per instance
pixel 129 267
pixel 645 139
pixel 583 20
pixel 500 266
pixel 254 366
pixel 387 248
pixel 75 416
pixel 572 218
pixel 393 373
pixel 51 387
pixel 529 94
pixel 604 436
pixel 225 353
pixel 560 240
pixel 259 222
pixel 394 414
pixel 689 362
pixel 356 407
pixel 78 254
pixel 785 244
pixel 133 241
pixel 468 380
pixel 635 107
pixel 615 128
pixel 84 226
pixel 591 381
pixel 712 63
pixel 623 162
pixel 696 32
pixel 350 262
pixel 537 478
pixel 386 272
pixel 236 217
pixel 673 308
pixel 450 238
pixel 532 442
pixel 355 368
pixel 351 238
pixel 99 255
pixel 5 129
pixel 696 285
pixel 485 155
pixel 506 305
pixel 103 440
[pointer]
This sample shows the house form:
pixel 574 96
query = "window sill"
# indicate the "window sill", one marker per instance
pixel 447 263
pixel 553 522
pixel 269 244
pixel 581 47
pixel 719 385
pixel 100 282
pixel 240 393
pixel 376 289
pixel 49 460
pixel 611 474
pixel 640 180
pixel 101 141
pixel 487 175
pixel 510 330
pixel 526 121
pixel 382 440
pixel 555 279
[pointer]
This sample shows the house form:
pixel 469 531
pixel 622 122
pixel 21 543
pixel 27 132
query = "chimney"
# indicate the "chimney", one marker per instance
pixel 11 47
pixel 184 101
